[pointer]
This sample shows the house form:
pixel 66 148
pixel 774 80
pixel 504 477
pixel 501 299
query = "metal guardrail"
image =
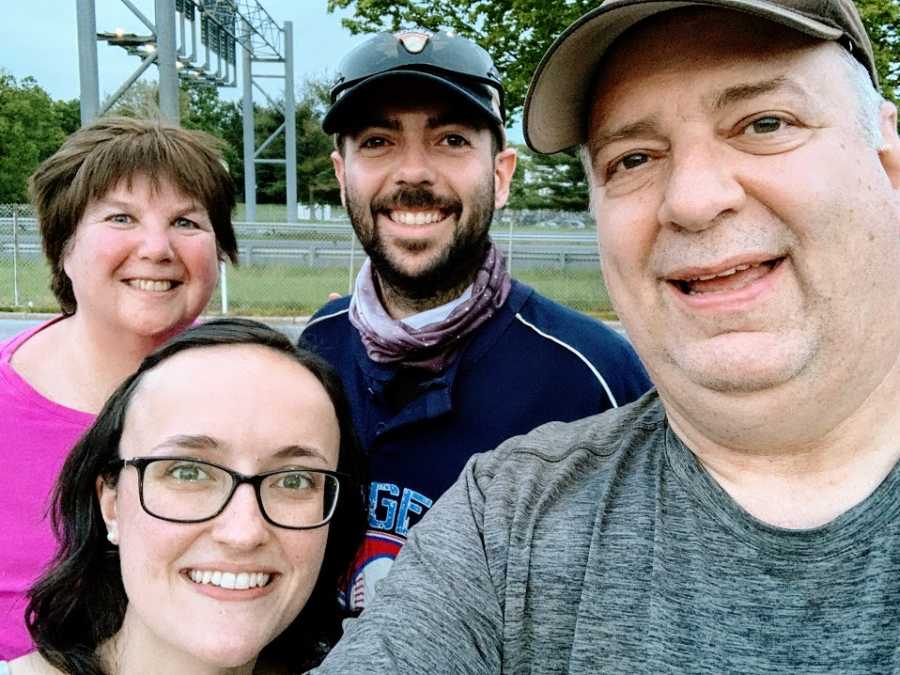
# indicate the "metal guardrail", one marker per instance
pixel 29 226
pixel 313 255
pixel 527 247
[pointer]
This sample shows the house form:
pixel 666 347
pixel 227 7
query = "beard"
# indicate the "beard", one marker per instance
pixel 452 268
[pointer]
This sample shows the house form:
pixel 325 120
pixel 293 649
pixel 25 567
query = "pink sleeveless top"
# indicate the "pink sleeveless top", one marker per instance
pixel 36 435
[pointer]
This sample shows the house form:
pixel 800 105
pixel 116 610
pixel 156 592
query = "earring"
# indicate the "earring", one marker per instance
pixel 113 534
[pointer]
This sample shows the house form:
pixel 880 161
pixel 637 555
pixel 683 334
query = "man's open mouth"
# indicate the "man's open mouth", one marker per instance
pixel 722 281
pixel 418 217
pixel 416 206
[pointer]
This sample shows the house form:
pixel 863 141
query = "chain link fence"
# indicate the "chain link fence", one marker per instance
pixel 289 269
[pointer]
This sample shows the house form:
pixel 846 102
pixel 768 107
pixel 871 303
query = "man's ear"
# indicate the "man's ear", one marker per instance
pixel 106 495
pixel 338 163
pixel 889 152
pixel 504 168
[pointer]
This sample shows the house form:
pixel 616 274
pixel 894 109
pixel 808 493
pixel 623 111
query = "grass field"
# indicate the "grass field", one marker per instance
pixel 283 290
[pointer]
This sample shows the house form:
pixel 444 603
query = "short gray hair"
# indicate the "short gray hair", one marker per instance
pixel 869 100
pixel 584 154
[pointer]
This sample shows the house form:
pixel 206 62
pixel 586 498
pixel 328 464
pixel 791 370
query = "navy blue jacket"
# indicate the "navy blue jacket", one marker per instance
pixel 533 362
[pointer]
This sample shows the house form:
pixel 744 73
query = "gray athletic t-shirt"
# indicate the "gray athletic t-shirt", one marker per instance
pixel 604 546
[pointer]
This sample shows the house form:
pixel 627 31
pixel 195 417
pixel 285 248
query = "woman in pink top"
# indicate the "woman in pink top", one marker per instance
pixel 135 216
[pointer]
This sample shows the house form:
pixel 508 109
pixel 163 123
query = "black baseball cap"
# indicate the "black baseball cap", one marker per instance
pixel 453 62
pixel 557 102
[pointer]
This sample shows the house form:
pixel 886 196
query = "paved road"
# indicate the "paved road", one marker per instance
pixel 12 326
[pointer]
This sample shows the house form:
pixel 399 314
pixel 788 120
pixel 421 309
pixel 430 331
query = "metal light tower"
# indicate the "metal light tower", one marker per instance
pixel 224 26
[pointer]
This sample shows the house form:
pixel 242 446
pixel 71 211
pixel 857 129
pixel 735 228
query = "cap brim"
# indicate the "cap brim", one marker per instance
pixel 337 117
pixel 556 104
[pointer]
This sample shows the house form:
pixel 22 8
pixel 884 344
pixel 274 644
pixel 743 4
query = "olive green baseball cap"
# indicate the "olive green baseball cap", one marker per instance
pixel 557 103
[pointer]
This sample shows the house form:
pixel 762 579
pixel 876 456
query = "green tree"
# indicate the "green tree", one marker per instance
pixel 141 99
pixel 198 102
pixel 881 19
pixel 517 32
pixel 68 114
pixel 30 131
pixel 203 109
pixel 548 182
pixel 315 176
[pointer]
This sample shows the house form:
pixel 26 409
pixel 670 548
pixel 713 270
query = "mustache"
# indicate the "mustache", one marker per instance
pixel 415 198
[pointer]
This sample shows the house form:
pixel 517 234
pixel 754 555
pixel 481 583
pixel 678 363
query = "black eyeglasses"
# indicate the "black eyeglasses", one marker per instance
pixel 186 490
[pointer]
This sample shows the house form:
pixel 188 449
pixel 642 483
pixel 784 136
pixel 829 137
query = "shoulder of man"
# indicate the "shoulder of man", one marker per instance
pixel 445 591
pixel 331 310
pixel 325 327
pixel 602 350
pixel 567 449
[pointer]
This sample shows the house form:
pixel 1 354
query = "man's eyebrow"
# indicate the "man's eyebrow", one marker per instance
pixel 647 126
pixel 745 92
pixel 450 118
pixel 377 123
pixel 727 97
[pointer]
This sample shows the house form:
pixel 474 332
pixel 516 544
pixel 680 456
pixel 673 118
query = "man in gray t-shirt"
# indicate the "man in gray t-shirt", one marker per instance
pixel 745 515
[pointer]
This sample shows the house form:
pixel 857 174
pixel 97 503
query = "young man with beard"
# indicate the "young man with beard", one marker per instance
pixel 744 517
pixel 441 353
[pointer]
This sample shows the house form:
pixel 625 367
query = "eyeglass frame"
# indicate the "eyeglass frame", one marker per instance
pixel 238 479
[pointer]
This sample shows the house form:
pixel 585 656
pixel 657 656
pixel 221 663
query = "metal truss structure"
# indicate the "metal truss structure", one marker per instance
pixel 199 40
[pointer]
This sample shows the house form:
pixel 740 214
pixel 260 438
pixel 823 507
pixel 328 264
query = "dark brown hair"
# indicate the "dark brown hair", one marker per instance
pixel 96 158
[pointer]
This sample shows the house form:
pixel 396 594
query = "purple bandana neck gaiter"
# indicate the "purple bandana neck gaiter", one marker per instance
pixel 433 346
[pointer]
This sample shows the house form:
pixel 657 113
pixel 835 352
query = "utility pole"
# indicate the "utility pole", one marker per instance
pixel 290 124
pixel 165 60
pixel 87 60
pixel 249 131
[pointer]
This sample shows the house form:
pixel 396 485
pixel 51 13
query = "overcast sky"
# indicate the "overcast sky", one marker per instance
pixel 39 38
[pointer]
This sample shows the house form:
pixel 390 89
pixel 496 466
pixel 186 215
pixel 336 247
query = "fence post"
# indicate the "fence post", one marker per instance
pixel 15 210
pixel 509 247
pixel 223 285
pixel 352 255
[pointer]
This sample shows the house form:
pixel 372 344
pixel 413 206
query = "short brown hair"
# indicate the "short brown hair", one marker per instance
pixel 96 158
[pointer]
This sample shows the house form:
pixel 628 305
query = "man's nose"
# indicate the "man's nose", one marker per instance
pixel 701 187
pixel 414 165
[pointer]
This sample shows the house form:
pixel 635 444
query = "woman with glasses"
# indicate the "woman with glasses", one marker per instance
pixel 135 217
pixel 205 517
